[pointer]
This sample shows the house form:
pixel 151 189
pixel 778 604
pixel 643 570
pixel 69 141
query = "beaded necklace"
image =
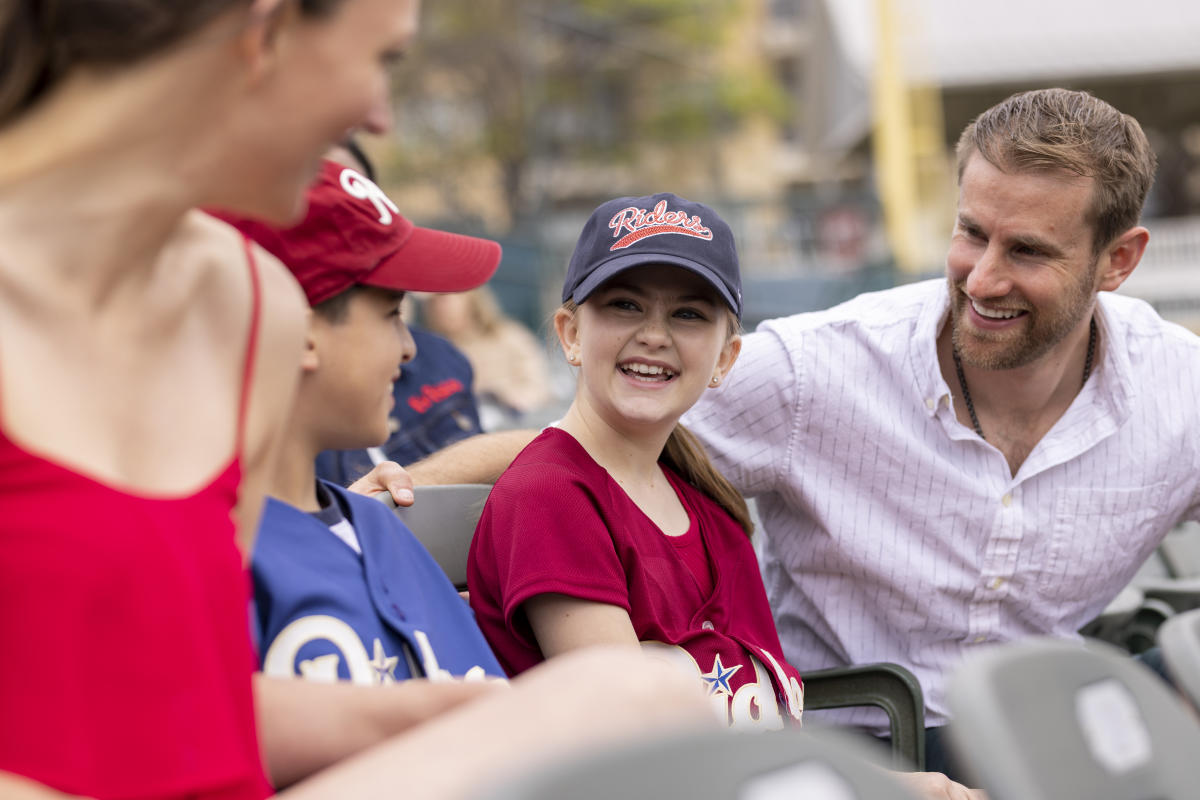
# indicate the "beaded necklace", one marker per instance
pixel 962 380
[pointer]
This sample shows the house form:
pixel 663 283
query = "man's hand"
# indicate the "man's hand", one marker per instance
pixel 387 476
pixel 936 786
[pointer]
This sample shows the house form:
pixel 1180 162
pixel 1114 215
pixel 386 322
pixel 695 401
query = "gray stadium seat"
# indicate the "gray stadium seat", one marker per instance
pixel 1045 719
pixel 1166 584
pixel 888 686
pixel 443 518
pixel 1179 638
pixel 716 765
pixel 1176 582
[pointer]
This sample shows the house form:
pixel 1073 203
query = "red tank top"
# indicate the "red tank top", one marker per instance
pixel 125 654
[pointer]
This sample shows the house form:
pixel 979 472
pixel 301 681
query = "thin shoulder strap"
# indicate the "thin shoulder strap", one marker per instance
pixel 252 342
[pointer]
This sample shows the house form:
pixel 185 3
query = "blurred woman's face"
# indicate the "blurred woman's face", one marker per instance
pixel 449 314
pixel 330 75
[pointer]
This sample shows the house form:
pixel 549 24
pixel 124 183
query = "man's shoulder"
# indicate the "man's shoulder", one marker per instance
pixel 1132 321
pixel 878 313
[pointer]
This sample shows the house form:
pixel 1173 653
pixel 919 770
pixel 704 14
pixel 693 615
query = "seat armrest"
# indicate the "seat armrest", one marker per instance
pixel 888 686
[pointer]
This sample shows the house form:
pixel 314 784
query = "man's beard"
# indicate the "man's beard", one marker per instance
pixel 1040 332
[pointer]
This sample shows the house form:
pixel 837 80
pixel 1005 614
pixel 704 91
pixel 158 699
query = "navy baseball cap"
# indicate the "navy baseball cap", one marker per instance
pixel 656 229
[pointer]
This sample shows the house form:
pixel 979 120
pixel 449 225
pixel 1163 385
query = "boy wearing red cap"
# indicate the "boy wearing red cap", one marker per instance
pixel 343 590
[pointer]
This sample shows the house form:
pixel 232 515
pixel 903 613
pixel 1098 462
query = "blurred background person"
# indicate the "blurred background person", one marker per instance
pixel 512 371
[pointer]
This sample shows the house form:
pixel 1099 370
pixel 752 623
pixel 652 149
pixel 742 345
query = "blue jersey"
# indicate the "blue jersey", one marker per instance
pixel 434 407
pixel 326 613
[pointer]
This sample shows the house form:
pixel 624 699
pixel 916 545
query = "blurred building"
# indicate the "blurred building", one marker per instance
pixel 1142 58
pixel 828 129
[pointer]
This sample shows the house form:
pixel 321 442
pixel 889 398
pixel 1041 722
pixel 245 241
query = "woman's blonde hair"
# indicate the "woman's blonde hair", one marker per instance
pixel 685 454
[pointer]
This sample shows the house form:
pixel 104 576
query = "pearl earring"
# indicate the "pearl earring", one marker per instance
pixel 716 381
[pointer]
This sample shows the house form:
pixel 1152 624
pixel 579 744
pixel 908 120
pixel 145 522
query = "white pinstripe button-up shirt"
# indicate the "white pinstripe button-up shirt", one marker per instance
pixel 894 533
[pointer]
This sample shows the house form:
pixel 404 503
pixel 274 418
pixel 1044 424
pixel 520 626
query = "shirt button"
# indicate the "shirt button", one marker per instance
pixel 706 625
pixel 980 639
pixel 930 403
pixel 1006 501
pixel 996 583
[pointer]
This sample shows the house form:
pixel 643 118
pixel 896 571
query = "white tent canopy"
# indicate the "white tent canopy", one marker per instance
pixel 964 43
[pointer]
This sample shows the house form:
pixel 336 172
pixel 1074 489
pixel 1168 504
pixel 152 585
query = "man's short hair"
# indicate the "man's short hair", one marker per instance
pixel 1060 129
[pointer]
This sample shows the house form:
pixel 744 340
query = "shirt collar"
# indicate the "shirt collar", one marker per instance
pixel 1114 389
pixel 923 354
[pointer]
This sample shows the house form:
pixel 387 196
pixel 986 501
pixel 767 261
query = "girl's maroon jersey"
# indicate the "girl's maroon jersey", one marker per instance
pixel 557 522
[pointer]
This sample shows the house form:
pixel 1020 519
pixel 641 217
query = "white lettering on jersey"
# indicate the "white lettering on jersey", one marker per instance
pixel 373 670
pixel 754 705
pixel 793 693
pixel 322 669
pixel 281 655
pixel 751 707
pixel 429 662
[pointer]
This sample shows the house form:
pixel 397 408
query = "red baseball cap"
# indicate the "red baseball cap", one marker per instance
pixel 352 234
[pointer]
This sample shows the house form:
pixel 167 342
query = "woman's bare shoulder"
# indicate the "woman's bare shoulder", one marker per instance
pixel 223 255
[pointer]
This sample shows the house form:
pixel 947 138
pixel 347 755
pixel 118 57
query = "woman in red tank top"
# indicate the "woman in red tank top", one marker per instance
pixel 147 360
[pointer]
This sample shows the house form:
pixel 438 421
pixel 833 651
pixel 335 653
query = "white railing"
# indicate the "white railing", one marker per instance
pixel 1169 275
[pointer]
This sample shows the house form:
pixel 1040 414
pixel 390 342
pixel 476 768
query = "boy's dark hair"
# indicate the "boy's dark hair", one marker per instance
pixel 355 149
pixel 334 309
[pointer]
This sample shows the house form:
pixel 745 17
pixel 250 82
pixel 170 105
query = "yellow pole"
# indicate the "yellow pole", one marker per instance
pixel 892 141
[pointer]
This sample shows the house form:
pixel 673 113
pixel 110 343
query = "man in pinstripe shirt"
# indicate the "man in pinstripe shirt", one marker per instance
pixel 955 463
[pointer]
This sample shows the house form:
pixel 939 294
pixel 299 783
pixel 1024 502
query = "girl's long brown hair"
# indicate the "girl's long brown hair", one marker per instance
pixel 684 454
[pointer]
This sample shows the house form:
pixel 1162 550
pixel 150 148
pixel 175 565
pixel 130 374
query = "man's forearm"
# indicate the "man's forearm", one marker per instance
pixel 479 459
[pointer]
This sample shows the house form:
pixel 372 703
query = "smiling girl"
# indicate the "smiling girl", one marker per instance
pixel 613 527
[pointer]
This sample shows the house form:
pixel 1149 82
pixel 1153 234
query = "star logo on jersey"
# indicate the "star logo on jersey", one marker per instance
pixel 718 678
pixel 384 665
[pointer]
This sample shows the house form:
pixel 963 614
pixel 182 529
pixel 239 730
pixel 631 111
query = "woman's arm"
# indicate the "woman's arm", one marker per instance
pixel 569 705
pixel 561 623
pixel 14 787
pixel 304 727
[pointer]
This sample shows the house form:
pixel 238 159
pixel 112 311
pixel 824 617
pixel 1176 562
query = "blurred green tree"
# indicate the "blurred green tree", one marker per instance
pixel 524 87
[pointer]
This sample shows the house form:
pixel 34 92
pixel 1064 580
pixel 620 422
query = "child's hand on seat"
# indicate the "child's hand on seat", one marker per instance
pixel 387 476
